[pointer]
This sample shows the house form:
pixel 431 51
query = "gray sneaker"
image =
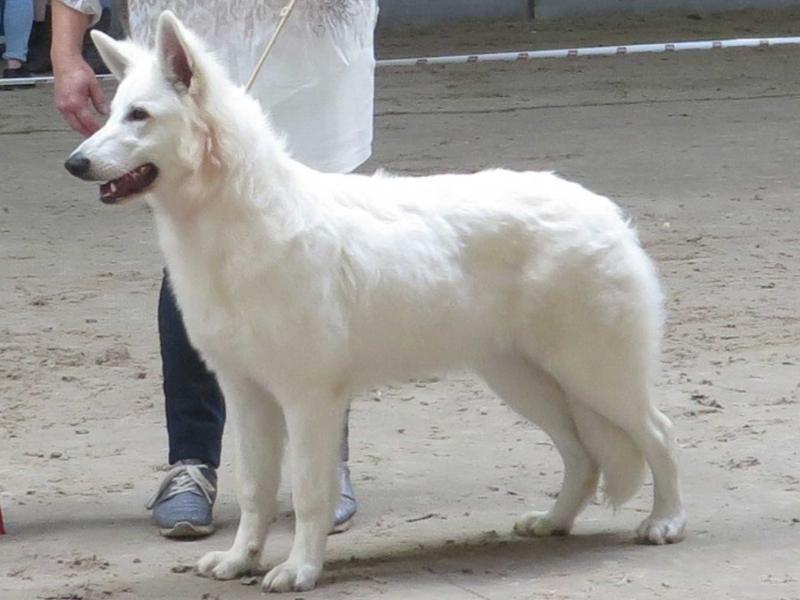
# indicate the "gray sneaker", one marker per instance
pixel 184 501
pixel 346 507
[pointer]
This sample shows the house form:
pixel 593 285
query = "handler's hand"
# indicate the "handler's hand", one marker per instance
pixel 75 86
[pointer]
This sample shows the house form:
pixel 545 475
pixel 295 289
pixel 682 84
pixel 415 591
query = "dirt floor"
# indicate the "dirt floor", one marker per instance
pixel 701 148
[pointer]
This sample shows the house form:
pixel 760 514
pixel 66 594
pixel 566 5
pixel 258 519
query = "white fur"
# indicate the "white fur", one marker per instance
pixel 301 288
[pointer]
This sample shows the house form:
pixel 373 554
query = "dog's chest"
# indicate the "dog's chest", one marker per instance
pixel 252 322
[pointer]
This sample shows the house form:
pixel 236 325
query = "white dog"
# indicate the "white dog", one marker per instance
pixel 301 288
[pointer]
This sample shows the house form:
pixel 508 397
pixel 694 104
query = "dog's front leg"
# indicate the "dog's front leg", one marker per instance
pixel 314 438
pixel 258 430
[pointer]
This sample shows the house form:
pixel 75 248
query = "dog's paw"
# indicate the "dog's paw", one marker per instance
pixel 291 577
pixel 662 530
pixel 539 524
pixel 224 565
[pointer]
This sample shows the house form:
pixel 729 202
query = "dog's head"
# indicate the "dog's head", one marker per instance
pixel 156 130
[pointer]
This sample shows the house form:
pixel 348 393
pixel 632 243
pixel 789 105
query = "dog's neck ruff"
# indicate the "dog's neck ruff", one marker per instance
pixel 237 160
pixel 243 174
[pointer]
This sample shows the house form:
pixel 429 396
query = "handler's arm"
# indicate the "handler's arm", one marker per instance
pixel 75 81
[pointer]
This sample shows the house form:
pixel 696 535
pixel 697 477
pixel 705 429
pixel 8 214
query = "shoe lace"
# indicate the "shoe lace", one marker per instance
pixel 180 479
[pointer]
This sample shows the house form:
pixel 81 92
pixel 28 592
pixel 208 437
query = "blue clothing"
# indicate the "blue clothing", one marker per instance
pixel 193 401
pixel 17 24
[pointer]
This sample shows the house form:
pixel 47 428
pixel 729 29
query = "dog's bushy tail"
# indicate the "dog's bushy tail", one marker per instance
pixel 620 461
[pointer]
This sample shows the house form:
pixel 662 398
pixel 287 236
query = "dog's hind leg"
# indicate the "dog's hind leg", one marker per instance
pixel 314 424
pixel 667 522
pixel 624 399
pixel 537 396
pixel 258 436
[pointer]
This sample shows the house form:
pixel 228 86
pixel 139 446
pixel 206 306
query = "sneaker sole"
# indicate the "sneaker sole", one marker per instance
pixel 342 527
pixel 186 530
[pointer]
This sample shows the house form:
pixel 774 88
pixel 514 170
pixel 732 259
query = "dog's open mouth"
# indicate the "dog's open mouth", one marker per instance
pixel 133 182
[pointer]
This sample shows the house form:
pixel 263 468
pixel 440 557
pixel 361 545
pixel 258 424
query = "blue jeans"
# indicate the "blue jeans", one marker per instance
pixel 193 401
pixel 17 23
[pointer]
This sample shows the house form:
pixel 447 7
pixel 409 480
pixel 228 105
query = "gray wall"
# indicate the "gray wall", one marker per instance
pixel 545 9
pixel 401 12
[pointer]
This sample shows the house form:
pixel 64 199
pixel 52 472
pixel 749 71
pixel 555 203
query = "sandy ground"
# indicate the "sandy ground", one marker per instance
pixel 701 148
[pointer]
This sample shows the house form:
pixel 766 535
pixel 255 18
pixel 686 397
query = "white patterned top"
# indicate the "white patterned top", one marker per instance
pixel 317 83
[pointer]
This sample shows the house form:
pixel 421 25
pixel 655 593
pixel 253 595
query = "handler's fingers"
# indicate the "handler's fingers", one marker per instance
pixel 71 106
pixel 87 121
pixel 74 123
pixel 98 97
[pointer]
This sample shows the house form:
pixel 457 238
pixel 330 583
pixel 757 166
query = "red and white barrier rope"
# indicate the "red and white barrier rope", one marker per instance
pixel 592 51
pixel 535 54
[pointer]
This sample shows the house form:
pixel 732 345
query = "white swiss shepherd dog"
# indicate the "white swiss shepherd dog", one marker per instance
pixel 301 288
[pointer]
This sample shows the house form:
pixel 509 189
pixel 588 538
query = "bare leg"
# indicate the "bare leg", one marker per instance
pixel 535 395
pixel 258 429
pixel 315 435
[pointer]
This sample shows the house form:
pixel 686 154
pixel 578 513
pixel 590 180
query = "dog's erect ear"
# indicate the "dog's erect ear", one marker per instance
pixel 176 54
pixel 112 52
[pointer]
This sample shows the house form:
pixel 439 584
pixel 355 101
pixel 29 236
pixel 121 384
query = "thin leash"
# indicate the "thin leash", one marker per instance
pixel 284 15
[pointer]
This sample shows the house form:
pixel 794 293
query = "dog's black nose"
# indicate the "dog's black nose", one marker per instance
pixel 78 165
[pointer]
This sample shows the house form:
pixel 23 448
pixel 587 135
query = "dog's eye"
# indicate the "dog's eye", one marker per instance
pixel 138 114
